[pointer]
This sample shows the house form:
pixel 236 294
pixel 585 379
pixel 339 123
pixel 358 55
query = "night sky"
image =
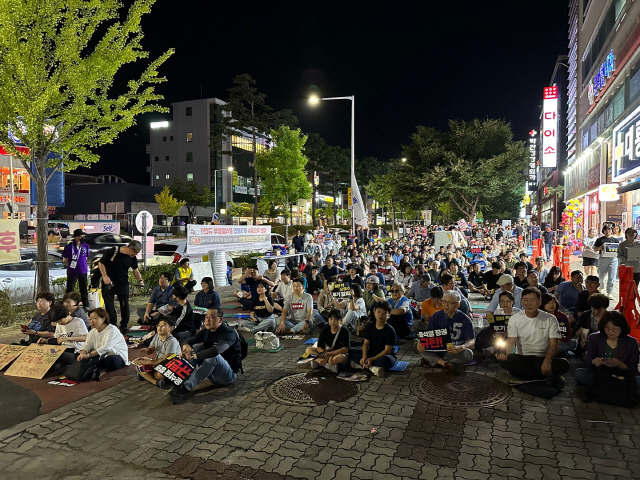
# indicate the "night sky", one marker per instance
pixel 407 63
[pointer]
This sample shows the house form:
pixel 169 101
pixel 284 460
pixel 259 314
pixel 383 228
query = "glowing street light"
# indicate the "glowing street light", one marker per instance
pixel 215 186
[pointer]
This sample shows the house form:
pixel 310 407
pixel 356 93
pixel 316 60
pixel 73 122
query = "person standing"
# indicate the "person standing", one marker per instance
pixel 74 257
pixel 623 252
pixel 590 263
pixel 549 237
pixel 114 268
pixel 607 245
pixel 298 242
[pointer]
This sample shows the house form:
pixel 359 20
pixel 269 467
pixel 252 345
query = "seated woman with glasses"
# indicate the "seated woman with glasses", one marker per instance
pixel 612 349
pixel 401 317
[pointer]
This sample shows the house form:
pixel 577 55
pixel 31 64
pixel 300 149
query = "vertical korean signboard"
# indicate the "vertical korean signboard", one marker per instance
pixel 550 127
pixel 532 173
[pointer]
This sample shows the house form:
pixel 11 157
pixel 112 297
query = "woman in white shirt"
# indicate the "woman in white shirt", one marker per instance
pixel 405 276
pixel 104 341
pixel 70 332
pixel 356 308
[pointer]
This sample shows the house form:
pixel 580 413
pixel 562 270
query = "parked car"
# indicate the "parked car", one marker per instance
pixel 17 280
pixel 99 242
pixel 58 228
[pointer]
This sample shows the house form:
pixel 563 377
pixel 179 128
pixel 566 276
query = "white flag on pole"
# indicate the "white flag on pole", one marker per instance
pixel 359 210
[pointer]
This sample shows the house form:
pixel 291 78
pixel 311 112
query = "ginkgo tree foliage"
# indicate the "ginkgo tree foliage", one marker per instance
pixel 59 95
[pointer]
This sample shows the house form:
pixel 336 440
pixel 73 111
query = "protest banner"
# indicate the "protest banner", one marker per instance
pixel 435 340
pixel 9 241
pixel 8 353
pixel 498 323
pixel 340 290
pixel 202 238
pixel 174 368
pixel 35 361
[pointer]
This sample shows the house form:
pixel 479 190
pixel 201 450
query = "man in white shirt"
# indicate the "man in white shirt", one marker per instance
pixel 535 334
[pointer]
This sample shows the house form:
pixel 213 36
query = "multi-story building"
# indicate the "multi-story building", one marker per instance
pixel 183 148
pixel 604 93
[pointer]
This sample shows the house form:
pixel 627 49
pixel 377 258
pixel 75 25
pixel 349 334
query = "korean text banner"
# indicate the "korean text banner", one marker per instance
pixel 202 238
pixel 9 241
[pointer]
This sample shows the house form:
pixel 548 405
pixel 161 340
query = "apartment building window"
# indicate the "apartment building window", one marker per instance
pixel 166 158
pixel 189 177
pixel 157 177
pixel 157 159
pixel 189 137
pixel 188 112
pixel 166 176
pixel 189 156
pixel 164 139
pixel 171 138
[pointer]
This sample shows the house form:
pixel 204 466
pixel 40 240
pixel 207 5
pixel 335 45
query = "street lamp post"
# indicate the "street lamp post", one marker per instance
pixel 215 186
pixel 314 101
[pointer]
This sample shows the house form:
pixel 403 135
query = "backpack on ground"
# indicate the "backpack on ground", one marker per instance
pixel 95 275
pixel 244 349
pixel 267 341
pixel 83 370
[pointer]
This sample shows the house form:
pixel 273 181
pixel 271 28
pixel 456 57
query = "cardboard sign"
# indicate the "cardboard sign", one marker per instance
pixel 477 249
pixel 35 361
pixel 435 340
pixel 8 353
pixel 498 322
pixel 175 369
pixel 340 290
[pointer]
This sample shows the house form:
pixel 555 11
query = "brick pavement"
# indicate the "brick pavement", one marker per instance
pixel 133 431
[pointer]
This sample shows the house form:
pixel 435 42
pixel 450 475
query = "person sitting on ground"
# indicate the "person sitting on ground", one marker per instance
pixel 524 258
pixel 553 279
pixel 295 273
pixel 373 272
pixel 567 343
pixel 355 306
pixel 388 269
pixel 428 308
pixel 612 348
pixel 207 297
pixel 162 345
pixel 262 316
pixel 314 281
pixel 459 277
pixel 520 280
pixel 372 293
pixel 184 276
pixel 434 271
pixel 591 286
pixel 215 351
pixel 505 284
pixel 244 297
pixel 448 284
pixel 40 325
pixel 160 303
pixel 476 278
pixel 272 272
pixel 405 276
pixel 251 278
pixel 186 323
pixel 536 335
pixel 352 276
pixel 333 345
pixel 104 341
pixel 588 322
pixel 297 313
pixel 533 281
pixel 541 270
pixel 401 317
pixel 71 301
pixel 328 270
pixel 460 330
pixel 377 352
pixel 325 301
pixel 70 332
pixel 420 289
pixel 567 292
pixel 491 279
pixel 284 289
pixel 486 338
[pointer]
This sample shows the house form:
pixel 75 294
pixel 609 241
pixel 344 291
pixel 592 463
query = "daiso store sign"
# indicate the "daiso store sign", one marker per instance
pixel 550 127
pixel 626 147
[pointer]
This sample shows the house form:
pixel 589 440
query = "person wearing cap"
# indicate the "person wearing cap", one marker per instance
pixel 74 257
pixel 372 292
pixel 505 282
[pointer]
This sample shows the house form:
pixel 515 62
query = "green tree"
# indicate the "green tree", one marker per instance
pixel 469 166
pixel 239 209
pixel 282 169
pixel 192 194
pixel 315 150
pixel 268 209
pixel 169 205
pixel 57 68
pixel 246 110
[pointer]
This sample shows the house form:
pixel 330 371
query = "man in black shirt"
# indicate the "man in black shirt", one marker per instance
pixel 217 359
pixel 491 279
pixel 114 268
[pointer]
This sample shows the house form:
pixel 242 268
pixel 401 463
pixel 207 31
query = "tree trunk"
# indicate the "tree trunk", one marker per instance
pixel 42 217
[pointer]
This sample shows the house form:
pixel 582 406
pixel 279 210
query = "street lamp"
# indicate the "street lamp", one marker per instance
pixel 314 100
pixel 215 187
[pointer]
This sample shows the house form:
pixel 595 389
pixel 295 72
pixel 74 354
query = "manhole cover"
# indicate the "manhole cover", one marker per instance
pixel 311 389
pixel 464 390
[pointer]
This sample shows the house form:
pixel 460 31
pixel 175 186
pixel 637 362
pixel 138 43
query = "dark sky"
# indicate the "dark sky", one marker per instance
pixel 408 63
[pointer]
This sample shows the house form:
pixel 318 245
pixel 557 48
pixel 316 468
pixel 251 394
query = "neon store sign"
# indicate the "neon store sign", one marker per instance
pixel 600 78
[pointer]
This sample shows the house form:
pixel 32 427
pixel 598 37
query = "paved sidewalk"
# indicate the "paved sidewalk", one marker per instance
pixel 132 431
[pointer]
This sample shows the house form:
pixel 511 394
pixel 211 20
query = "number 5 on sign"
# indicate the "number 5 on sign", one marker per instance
pixel 9 241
